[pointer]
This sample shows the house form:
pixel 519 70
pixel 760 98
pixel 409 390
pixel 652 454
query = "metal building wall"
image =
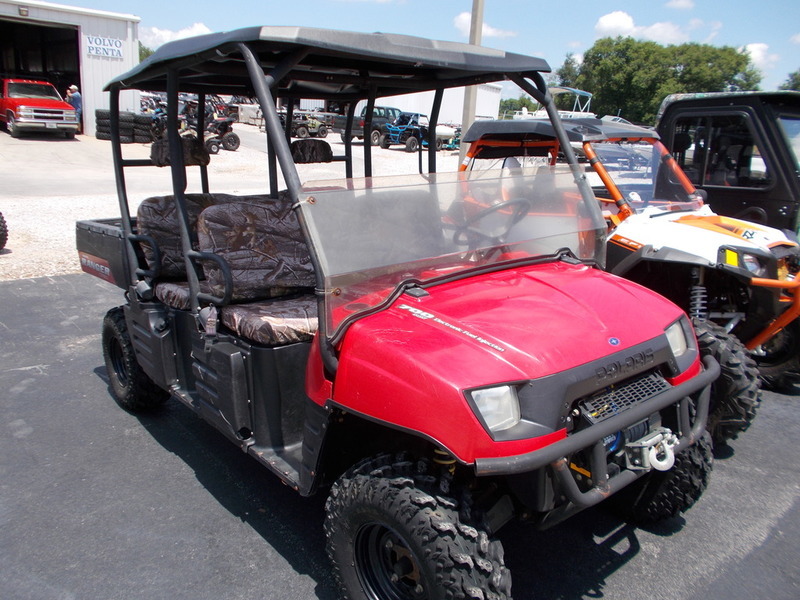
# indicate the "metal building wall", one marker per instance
pixel 98 63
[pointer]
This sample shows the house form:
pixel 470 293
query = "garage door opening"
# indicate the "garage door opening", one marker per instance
pixel 48 53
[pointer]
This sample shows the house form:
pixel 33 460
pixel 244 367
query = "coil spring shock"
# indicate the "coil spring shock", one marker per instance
pixel 698 302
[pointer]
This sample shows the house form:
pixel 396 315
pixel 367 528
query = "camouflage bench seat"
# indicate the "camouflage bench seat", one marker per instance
pixel 261 241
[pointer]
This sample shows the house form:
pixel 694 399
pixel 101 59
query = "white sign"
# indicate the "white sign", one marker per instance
pixel 102 46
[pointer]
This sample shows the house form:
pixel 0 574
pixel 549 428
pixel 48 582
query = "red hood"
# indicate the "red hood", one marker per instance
pixel 37 102
pixel 509 326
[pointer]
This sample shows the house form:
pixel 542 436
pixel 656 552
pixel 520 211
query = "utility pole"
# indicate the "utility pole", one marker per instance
pixel 471 92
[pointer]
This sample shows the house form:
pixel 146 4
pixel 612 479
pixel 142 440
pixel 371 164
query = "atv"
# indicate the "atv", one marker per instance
pixel 411 131
pixel 436 366
pixel 735 279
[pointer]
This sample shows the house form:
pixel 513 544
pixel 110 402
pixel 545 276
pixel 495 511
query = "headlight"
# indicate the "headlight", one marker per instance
pixel 754 265
pixel 70 114
pixel 677 339
pixel 499 406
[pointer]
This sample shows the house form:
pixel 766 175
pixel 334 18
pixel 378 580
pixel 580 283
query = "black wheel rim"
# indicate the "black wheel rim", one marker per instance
pixel 117 359
pixel 386 566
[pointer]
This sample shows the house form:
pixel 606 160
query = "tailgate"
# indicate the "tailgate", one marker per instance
pixel 102 250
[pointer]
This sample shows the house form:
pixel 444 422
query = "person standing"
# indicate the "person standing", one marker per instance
pixel 74 98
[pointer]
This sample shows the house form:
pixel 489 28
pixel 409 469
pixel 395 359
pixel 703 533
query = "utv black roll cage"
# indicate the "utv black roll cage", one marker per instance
pixel 291 63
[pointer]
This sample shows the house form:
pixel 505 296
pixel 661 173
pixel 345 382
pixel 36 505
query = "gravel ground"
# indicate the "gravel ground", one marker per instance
pixel 50 183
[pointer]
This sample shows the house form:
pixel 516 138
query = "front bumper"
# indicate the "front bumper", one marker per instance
pixel 556 454
pixel 31 125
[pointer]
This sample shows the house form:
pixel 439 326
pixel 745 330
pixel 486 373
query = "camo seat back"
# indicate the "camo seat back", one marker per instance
pixel 263 246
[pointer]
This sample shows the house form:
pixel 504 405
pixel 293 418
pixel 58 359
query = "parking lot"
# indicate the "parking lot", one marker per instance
pixel 97 503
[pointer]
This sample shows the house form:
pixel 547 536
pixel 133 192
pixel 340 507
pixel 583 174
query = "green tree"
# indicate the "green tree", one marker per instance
pixel 567 74
pixel 631 77
pixel 792 82
pixel 144 51
pixel 509 106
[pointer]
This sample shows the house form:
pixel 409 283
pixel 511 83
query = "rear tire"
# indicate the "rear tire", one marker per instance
pixel 375 137
pixel 736 393
pixel 662 495
pixel 392 534
pixel 132 388
pixel 322 131
pixel 231 141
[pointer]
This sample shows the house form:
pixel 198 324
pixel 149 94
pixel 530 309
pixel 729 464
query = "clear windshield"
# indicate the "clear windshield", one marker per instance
pixel 32 90
pixel 376 233
pixel 791 129
pixel 642 176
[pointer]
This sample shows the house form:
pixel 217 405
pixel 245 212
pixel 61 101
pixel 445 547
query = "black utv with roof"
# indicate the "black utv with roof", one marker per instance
pixel 437 366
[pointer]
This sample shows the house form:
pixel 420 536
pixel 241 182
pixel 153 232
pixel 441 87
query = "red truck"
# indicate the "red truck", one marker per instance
pixel 29 105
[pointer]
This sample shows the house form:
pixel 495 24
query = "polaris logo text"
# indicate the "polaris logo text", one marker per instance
pixel 627 365
pixel 421 314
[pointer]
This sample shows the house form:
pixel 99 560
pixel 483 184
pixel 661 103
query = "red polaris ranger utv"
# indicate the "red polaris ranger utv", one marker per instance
pixel 436 366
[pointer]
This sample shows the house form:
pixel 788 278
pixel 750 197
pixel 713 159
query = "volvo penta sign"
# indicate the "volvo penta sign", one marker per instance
pixel 103 46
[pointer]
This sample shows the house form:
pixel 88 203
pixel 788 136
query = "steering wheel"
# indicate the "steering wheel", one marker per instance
pixel 465 235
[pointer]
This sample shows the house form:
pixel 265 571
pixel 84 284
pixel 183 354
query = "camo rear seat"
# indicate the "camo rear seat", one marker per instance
pixel 261 241
pixel 269 262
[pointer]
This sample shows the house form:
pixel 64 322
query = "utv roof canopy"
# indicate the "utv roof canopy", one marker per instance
pixel 332 64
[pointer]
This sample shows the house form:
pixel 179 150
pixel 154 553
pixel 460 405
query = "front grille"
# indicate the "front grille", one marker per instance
pixel 618 398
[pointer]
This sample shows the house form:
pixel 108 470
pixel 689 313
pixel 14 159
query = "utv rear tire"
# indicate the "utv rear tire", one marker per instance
pixel 132 388
pixel 392 534
pixel 780 366
pixel 736 393
pixel 662 495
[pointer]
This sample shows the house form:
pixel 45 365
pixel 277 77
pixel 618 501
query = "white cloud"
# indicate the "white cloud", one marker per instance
pixel 680 4
pixel 614 24
pixel 795 39
pixel 620 23
pixel 761 57
pixel 153 37
pixel 463 23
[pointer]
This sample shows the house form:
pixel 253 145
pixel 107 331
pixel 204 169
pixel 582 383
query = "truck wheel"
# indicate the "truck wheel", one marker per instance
pixel 735 394
pixel 301 132
pixel 13 130
pixel 375 137
pixel 391 537
pixel 661 495
pixel 344 138
pixel 412 144
pixel 3 232
pixel 780 365
pixel 133 389
pixel 384 141
pixel 322 131
pixel 231 141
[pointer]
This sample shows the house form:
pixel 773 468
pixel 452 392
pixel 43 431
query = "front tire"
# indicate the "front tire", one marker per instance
pixel 736 393
pixel 385 142
pixel 132 388
pixel 412 144
pixel 780 365
pixel 3 232
pixel 393 535
pixel 662 495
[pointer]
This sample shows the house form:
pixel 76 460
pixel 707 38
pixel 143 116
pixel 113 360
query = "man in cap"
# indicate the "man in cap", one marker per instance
pixel 74 98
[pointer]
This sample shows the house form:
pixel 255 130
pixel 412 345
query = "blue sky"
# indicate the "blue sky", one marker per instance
pixel 768 29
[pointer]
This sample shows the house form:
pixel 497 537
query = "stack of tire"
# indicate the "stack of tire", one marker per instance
pixel 133 128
